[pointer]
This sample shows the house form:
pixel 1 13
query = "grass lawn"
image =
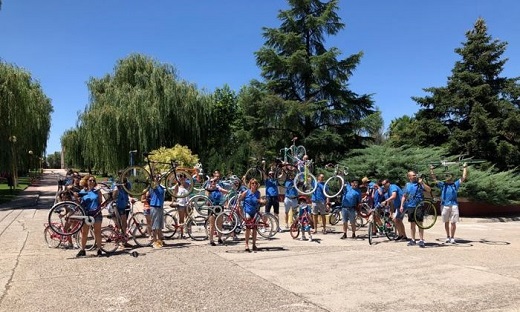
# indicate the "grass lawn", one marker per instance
pixel 6 195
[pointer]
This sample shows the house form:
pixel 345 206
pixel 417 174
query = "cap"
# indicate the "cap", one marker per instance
pixel 365 180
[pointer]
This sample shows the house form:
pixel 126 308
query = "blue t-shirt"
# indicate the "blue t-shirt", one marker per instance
pixel 398 194
pixel 157 196
pixel 351 197
pixel 271 187
pixel 122 196
pixel 449 192
pixel 89 200
pixel 251 202
pixel 215 195
pixel 290 190
pixel 378 198
pixel 318 196
pixel 414 194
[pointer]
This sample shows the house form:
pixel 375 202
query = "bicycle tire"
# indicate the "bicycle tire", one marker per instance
pixel 300 151
pixel 170 226
pixel 429 215
pixel 370 232
pixel 360 221
pixel 196 228
pixel 109 240
pixel 254 173
pixel 285 172
pixel 141 235
pixel 267 225
pixel 201 204
pixel 295 229
pixel 91 241
pixel 333 186
pixel 64 212
pixel 364 210
pixel 305 186
pixel 52 239
pixel 139 180
pixel 226 222
pixel 389 228
pixel 335 216
pixel 171 182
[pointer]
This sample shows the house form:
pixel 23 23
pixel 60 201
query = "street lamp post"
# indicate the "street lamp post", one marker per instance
pixel 29 163
pixel 12 139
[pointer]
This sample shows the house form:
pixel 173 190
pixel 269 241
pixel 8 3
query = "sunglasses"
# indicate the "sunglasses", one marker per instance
pixel 90 180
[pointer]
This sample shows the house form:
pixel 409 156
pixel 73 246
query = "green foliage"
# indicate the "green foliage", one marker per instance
pixel 502 188
pixel 54 160
pixel 182 155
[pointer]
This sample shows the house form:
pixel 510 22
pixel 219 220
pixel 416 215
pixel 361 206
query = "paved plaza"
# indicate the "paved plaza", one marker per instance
pixel 479 273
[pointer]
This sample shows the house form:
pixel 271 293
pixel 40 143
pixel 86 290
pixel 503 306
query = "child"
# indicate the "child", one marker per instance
pixel 157 213
pixel 304 215
pixel 146 212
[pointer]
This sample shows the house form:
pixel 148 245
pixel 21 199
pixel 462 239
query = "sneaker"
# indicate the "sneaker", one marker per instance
pixel 99 253
pixel 411 243
pixel 235 238
pixel 156 245
pixel 303 238
pixel 353 236
pixel 343 236
pixel 421 243
pixel 447 240
pixel 81 253
pixel 310 238
pixel 398 238
pixel 212 243
pixel 160 242
pixel 280 230
pixel 287 226
pixel 452 240
pixel 220 242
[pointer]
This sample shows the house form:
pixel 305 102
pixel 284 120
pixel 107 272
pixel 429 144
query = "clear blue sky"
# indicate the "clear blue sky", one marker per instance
pixel 408 45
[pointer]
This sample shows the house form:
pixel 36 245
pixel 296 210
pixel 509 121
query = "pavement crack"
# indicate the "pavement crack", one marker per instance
pixel 13 271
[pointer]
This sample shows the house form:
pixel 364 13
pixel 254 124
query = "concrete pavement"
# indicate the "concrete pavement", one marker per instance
pixel 480 273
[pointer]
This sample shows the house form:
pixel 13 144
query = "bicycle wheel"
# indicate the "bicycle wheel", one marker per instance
pixel 196 228
pixel 300 151
pixel 109 240
pixel 389 229
pixel 364 210
pixel 267 225
pixel 91 242
pixel 335 216
pixel 201 204
pixel 254 173
pixel 333 186
pixel 226 222
pixel 360 221
pixel 138 178
pixel 141 235
pixel 425 215
pixel 295 229
pixel 52 239
pixel 66 218
pixel 170 226
pixel 305 183
pixel 173 179
pixel 370 233
pixel 287 171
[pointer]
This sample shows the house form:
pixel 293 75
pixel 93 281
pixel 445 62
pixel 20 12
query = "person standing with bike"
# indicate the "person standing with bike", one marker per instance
pixel 413 194
pixel 449 203
pixel 122 204
pixel 271 193
pixel 393 195
pixel 349 202
pixel 319 204
pixel 91 200
pixel 291 198
pixel 214 192
pixel 252 202
pixel 156 193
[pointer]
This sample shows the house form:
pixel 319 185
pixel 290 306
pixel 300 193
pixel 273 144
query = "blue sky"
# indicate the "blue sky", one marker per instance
pixel 408 45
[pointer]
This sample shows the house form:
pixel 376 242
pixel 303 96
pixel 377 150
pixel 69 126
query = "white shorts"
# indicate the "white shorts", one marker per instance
pixel 450 214
pixel 290 203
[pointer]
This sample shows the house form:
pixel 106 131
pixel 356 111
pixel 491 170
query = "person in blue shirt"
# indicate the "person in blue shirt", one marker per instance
pixel 349 202
pixel 156 193
pixel 392 198
pixel 271 193
pixel 413 194
pixel 215 193
pixel 291 198
pixel 252 202
pixel 449 203
pixel 319 204
pixel 91 200
pixel 122 203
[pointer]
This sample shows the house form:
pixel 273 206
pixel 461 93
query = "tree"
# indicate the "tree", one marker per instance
pixel 478 112
pixel 26 119
pixel 306 85
pixel 54 160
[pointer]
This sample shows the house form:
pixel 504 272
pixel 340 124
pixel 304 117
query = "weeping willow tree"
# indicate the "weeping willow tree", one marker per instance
pixel 25 119
pixel 141 106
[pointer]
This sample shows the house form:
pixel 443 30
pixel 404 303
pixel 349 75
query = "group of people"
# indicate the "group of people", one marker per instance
pixel 400 201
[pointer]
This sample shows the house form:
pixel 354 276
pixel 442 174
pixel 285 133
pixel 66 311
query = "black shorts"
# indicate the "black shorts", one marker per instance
pixel 416 214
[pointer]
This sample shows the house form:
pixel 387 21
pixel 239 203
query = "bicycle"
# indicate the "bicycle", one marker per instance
pixel 53 239
pixel 140 179
pixel 335 216
pixel 305 182
pixel 137 227
pixel 293 153
pixel 460 161
pixel 233 220
pixel 386 224
pixel 302 223
pixel 334 185
pixel 425 214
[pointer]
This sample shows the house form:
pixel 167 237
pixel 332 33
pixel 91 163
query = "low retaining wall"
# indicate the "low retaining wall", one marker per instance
pixel 478 209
